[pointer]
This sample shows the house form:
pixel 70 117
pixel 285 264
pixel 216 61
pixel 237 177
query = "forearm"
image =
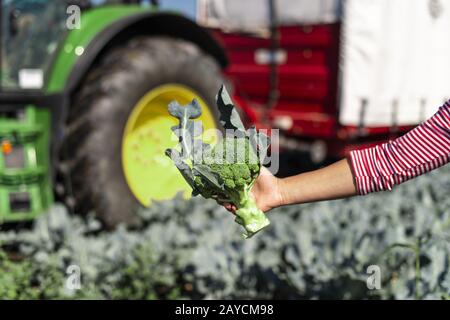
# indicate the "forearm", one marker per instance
pixel 332 182
pixel 423 149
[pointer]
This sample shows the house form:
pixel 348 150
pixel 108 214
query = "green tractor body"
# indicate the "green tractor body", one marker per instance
pixel 80 105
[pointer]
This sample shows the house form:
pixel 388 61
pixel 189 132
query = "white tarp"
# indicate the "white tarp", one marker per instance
pixel 394 50
pixel 251 15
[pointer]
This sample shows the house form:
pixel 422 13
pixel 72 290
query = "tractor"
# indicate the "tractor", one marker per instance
pixel 84 90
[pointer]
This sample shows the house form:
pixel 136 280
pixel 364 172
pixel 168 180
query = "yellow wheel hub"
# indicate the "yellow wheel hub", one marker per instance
pixel 149 173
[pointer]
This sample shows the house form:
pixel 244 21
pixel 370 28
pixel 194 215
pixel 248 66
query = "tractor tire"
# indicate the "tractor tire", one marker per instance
pixel 99 111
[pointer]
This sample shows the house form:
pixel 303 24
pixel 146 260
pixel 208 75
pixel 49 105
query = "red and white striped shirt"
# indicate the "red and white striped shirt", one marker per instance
pixel 422 149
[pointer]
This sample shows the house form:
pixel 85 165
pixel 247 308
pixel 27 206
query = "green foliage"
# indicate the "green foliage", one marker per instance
pixel 113 265
pixel 15 279
pixel 228 170
pixel 22 279
pixel 142 279
pixel 187 249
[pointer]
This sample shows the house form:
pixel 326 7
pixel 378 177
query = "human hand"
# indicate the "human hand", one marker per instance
pixel 266 191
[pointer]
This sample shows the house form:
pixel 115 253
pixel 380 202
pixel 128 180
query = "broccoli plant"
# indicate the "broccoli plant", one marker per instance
pixel 227 170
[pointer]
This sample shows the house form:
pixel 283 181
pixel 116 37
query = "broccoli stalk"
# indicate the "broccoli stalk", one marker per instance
pixel 248 214
pixel 227 171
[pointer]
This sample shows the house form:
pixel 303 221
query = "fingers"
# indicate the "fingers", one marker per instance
pixel 230 207
pixel 226 204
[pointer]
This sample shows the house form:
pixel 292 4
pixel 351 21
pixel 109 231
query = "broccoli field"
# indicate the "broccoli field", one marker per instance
pixel 190 249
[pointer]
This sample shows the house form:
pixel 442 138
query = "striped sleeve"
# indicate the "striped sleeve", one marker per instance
pixel 422 149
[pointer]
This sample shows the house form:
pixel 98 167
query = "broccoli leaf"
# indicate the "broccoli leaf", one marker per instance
pixel 186 130
pixel 259 142
pixel 229 117
pixel 205 172
pixel 184 169
pixel 191 111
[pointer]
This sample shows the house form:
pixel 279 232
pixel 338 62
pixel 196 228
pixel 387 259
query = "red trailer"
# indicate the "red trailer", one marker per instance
pixel 334 75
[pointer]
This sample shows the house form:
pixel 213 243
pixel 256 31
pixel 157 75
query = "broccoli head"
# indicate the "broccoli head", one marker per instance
pixel 235 179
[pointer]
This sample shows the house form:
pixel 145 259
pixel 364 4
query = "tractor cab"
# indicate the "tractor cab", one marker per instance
pixel 30 33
